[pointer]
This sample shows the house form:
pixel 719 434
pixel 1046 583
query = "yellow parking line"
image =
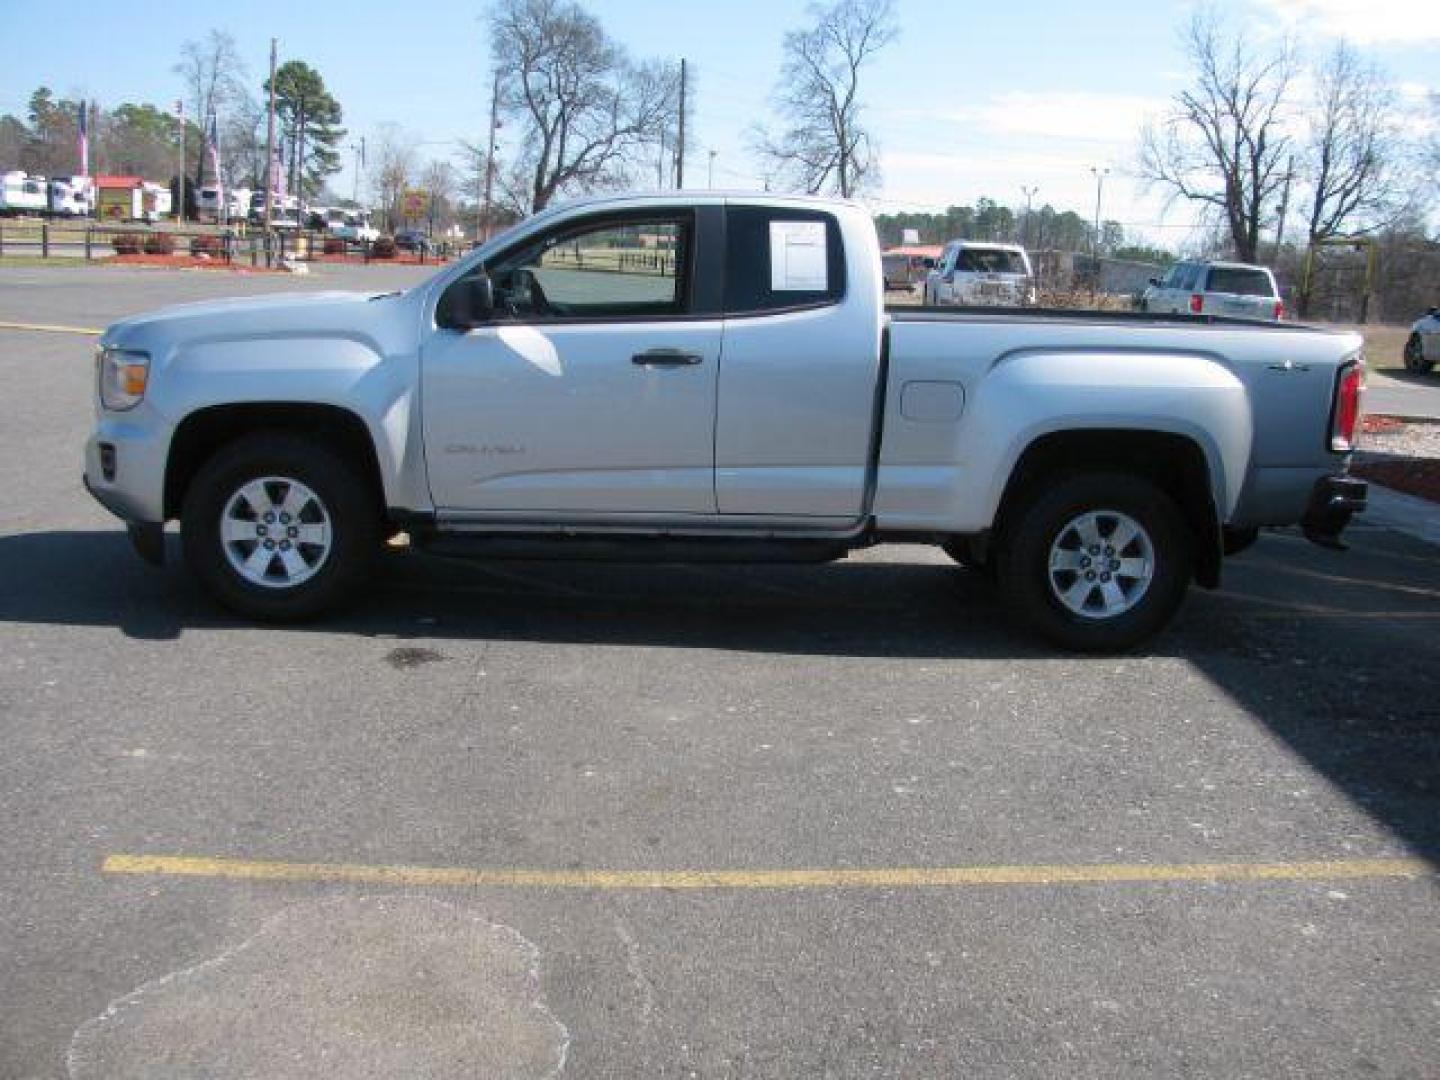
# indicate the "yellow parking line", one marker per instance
pixel 892 878
pixel 49 328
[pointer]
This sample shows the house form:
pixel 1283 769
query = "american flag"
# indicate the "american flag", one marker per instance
pixel 83 128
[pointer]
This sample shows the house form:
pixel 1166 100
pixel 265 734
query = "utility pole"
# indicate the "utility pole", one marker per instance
pixel 710 182
pixel 485 212
pixel 359 149
pixel 300 169
pixel 1284 207
pixel 1100 175
pixel 680 148
pixel 1029 193
pixel 270 142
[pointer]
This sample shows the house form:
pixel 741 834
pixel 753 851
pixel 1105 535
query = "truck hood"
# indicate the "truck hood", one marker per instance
pixel 250 316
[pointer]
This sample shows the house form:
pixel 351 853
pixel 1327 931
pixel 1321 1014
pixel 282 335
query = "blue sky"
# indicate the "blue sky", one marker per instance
pixel 974 99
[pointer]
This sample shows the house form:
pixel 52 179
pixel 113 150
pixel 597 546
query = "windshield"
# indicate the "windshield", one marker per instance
pixel 989 261
pixel 1240 281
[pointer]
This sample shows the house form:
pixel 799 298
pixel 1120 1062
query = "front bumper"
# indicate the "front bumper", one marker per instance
pixel 1333 502
pixel 147 537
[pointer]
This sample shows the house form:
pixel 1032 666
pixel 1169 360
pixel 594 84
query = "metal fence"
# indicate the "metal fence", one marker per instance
pixel 46 239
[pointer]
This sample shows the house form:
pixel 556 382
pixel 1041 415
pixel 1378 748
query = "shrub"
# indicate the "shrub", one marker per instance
pixel 159 243
pixel 207 244
pixel 384 248
pixel 334 245
pixel 128 243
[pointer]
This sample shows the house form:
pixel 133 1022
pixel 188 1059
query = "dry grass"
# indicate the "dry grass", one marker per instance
pixel 1384 345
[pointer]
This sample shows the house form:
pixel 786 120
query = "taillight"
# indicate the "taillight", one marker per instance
pixel 1197 303
pixel 1345 417
pixel 1279 310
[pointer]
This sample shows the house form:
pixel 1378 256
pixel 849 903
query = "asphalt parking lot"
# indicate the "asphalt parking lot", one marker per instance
pixel 526 819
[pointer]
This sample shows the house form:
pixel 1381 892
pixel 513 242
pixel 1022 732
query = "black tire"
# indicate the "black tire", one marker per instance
pixel 1023 559
pixel 354 521
pixel 962 551
pixel 1415 356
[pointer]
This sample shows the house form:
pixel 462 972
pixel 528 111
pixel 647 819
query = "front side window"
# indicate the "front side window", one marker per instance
pixel 619 269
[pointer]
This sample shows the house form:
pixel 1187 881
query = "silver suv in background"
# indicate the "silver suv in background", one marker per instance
pixel 979 274
pixel 1237 290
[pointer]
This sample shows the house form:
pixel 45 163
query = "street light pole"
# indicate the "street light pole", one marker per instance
pixel 179 207
pixel 1100 175
pixel 270 177
pixel 1029 193
pixel 710 183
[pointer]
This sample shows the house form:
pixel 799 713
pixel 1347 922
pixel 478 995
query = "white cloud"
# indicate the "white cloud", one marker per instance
pixel 1364 21
pixel 1063 114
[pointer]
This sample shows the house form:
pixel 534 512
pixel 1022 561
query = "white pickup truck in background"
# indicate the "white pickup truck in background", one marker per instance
pixel 715 377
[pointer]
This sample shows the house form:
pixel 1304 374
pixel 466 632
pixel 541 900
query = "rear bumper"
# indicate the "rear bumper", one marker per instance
pixel 1333 502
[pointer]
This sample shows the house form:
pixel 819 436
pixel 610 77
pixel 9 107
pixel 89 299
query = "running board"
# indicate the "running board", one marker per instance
pixel 632 549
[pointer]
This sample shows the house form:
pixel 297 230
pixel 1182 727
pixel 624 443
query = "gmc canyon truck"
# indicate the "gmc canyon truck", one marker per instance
pixel 715 377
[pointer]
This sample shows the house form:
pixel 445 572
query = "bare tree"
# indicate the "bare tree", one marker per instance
pixel 823 145
pixel 1354 170
pixel 1224 145
pixel 214 77
pixel 393 161
pixel 439 180
pixel 243 135
pixel 584 109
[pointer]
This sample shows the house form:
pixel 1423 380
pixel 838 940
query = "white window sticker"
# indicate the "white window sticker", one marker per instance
pixel 798 261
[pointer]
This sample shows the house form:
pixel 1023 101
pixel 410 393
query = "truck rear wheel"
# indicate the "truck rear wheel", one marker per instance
pixel 1095 562
pixel 279 528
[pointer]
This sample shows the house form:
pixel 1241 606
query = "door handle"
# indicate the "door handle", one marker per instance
pixel 666 358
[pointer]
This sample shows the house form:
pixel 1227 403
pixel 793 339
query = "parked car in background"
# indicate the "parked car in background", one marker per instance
pixel 981 274
pixel 1236 290
pixel 412 240
pixel 21 193
pixel 283 204
pixel 356 226
pixel 905 266
pixel 235 201
pixel 1422 348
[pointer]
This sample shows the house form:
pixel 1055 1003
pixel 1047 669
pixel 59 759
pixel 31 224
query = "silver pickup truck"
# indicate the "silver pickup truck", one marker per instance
pixel 716 377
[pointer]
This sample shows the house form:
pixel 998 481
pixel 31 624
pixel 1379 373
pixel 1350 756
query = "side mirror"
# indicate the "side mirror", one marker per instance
pixel 1433 312
pixel 929 264
pixel 467 303
pixel 1155 281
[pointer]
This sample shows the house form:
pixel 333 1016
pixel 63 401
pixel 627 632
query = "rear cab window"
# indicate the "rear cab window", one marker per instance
pixel 989 261
pixel 782 259
pixel 1241 281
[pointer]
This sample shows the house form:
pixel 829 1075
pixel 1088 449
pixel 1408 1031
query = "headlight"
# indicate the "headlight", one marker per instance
pixel 122 377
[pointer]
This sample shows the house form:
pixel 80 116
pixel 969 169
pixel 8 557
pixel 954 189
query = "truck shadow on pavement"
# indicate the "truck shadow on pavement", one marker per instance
pixel 1338 655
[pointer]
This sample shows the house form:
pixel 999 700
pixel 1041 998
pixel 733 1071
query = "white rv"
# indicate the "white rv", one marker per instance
pixel 21 193
pixel 70 196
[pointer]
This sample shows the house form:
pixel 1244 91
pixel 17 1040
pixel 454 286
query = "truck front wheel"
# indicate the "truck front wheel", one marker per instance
pixel 279 528
pixel 1096 562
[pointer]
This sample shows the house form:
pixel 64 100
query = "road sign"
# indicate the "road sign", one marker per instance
pixel 414 203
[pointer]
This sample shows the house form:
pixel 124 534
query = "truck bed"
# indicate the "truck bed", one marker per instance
pixel 907 313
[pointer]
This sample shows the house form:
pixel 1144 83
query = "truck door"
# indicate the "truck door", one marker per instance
pixel 593 389
pixel 798 382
